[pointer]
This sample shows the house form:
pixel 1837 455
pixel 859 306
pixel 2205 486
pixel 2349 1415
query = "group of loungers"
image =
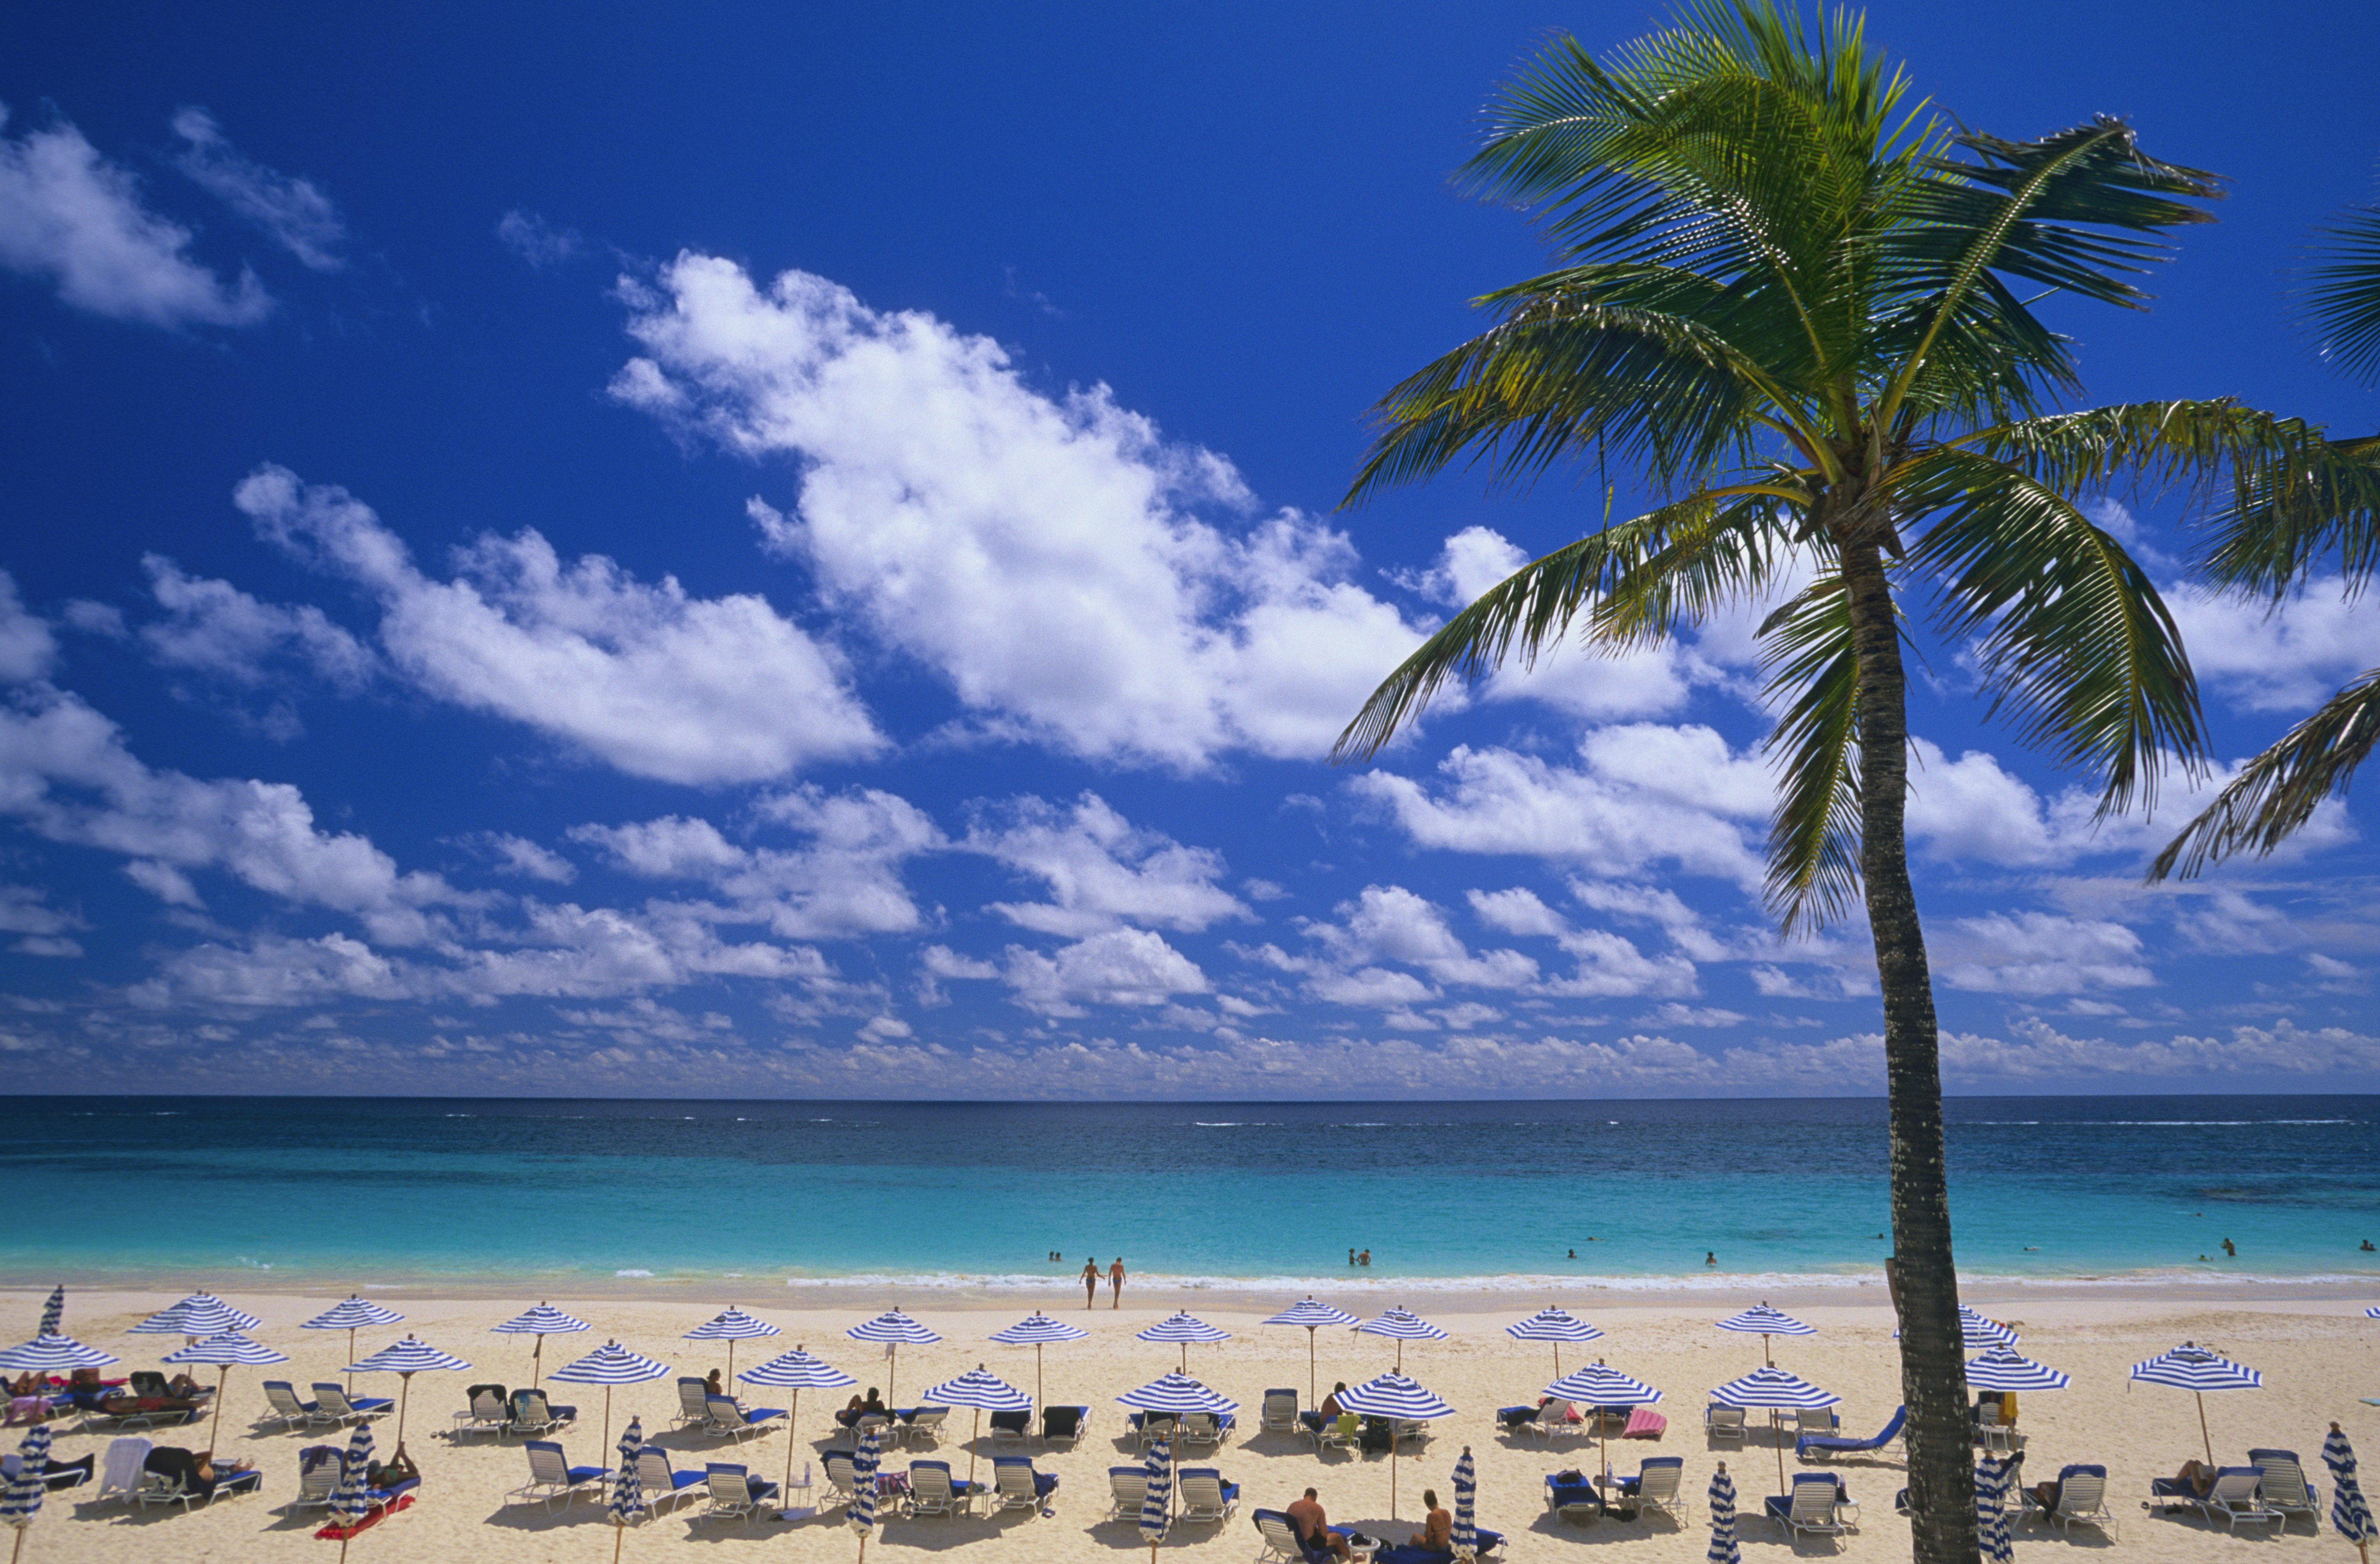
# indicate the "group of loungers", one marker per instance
pixel 1550 1417
pixel 1283 1545
pixel 146 1399
pixel 2267 1491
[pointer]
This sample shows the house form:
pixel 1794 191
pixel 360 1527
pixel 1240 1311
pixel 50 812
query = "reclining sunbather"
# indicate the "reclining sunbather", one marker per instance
pixel 2195 1475
pixel 199 1473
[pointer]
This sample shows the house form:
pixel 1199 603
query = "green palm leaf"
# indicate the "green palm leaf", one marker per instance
pixel 2279 792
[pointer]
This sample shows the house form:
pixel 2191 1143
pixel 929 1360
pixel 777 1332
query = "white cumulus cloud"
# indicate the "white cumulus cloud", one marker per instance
pixel 1102 872
pixel 294 212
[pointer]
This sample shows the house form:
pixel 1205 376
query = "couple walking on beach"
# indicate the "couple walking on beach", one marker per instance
pixel 1091 1282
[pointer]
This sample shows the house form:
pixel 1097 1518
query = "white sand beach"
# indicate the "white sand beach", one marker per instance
pixel 2317 1357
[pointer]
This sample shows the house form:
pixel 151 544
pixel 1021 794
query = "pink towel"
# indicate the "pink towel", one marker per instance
pixel 1645 1424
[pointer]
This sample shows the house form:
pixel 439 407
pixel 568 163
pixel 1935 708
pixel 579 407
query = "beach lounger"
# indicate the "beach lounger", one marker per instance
pixel 337 1405
pixel 170 1475
pixel 922 1429
pixel 933 1491
pixel 1513 1420
pixel 532 1413
pixel 1150 1428
pixel 1409 1430
pixel 1573 1496
pixel 2233 1498
pixel 734 1491
pixel 842 1480
pixel 1015 1486
pixel 1127 1486
pixel 1817 1421
pixel 551 1477
pixel 1335 1433
pixel 1063 1425
pixel 729 1420
pixel 1280 1545
pixel 134 1411
pixel 1810 1447
pixel 149 1382
pixel 1643 1422
pixel 288 1410
pixel 2082 1499
pixel 2284 1487
pixel 1816 1506
pixel 693 1403
pixel 1723 1422
pixel 1555 1417
pixel 488 1412
pixel 1280 1413
pixel 661 1484
pixel 1010 1427
pixel 1205 1494
pixel 1203 1429
pixel 860 1425
pixel 120 1468
pixel 1656 1485
pixel 318 1476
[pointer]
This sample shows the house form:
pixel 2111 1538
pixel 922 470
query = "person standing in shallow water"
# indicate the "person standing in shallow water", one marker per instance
pixel 1091 1283
pixel 1115 1280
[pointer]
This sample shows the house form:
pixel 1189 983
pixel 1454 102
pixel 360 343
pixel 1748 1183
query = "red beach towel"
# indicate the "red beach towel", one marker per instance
pixel 1645 1424
pixel 372 1517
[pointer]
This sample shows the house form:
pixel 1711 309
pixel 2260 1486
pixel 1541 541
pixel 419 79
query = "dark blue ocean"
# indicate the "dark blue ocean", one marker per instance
pixel 334 1193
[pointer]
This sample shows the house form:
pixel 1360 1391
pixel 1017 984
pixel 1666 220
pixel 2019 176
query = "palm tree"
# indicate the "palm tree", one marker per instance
pixel 1789 296
pixel 2322 497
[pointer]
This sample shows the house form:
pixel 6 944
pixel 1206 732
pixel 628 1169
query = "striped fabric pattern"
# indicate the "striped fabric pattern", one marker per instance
pixel 230 1347
pixel 1037 1329
pixel 2003 1368
pixel 1723 1548
pixel 864 1461
pixel 54 1314
pixel 1552 1323
pixel 51 1355
pixel 894 1326
pixel 201 1314
pixel 21 1499
pixel 1991 1513
pixel 356 1314
pixel 1401 1324
pixel 797 1369
pixel 1178 1393
pixel 1394 1395
pixel 409 1356
pixel 733 1325
pixel 1156 1499
pixel 982 1390
pixel 1466 1505
pixel 2191 1367
pixel 1310 1314
pixel 1762 1320
pixel 1977 1331
pixel 2348 1514
pixel 351 1501
pixel 1599 1385
pixel 543 1320
pixel 609 1365
pixel 1181 1327
pixel 1773 1388
pixel 628 1483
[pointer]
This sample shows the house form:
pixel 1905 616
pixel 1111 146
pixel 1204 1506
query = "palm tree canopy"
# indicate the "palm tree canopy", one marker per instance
pixel 1803 307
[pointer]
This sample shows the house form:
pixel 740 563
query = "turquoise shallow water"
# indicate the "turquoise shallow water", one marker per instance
pixel 343 1192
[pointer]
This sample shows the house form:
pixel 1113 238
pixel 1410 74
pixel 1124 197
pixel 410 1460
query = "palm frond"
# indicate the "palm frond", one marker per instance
pixel 2343 294
pixel 2279 790
pixel 1814 831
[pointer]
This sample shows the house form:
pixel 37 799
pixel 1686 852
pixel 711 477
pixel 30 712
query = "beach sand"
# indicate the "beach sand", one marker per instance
pixel 2316 1356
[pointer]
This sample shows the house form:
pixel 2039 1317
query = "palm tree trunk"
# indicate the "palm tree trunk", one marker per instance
pixel 1933 1375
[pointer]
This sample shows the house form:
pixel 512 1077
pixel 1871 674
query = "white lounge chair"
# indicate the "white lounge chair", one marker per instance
pixel 337 1407
pixel 736 1492
pixel 1280 1413
pixel 288 1410
pixel 842 1479
pixel 860 1425
pixel 1554 1417
pixel 1656 1487
pixel 1015 1486
pixel 1337 1432
pixel 488 1413
pixel 2237 1495
pixel 1127 1486
pixel 2284 1487
pixel 120 1469
pixel 924 1428
pixel 1723 1422
pixel 662 1485
pixel 1205 1494
pixel 179 1485
pixel 1814 1506
pixel 730 1421
pixel 1409 1431
pixel 1199 1428
pixel 933 1491
pixel 552 1478
pixel 2082 1501
pixel 1280 1545
pixel 1815 1419
pixel 693 1403
pixel 532 1413
pixel 317 1479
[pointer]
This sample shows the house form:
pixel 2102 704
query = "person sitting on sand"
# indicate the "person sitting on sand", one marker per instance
pixel 1313 1529
pixel 1437 1532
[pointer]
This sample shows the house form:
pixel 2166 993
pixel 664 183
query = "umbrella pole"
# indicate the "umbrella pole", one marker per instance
pixel 19 1551
pixel 792 1417
pixel 2203 1437
pixel 972 1437
pixel 1393 1469
pixel 731 1361
pixel 891 1356
pixel 1556 1359
pixel 1311 1400
pixel 619 1536
pixel 537 1361
pixel 607 1417
pixel 405 1394
pixel 351 1357
pixel 1780 1457
pixel 214 1423
pixel 1039 1405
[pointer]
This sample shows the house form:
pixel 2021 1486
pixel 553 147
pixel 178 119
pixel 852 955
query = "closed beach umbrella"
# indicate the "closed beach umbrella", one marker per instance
pixel 893 1329
pixel 1598 1385
pixel 1554 1325
pixel 1401 1325
pixel 54 1354
pixel 862 1514
pixel 1764 1322
pixel 53 1312
pixel 1774 1389
pixel 2003 1368
pixel 1991 1513
pixel 1157 1494
pixel 732 1326
pixel 355 1314
pixel 405 1358
pixel 627 1486
pixel 608 1366
pixel 1723 1549
pixel 2373 1312
pixel 2194 1368
pixel 351 1501
pixel 1183 1329
pixel 22 1498
pixel 1313 1317
pixel 796 1371
pixel 201 1314
pixel 1467 1506
pixel 981 1391
pixel 2348 1514
pixel 223 1351
pixel 1394 1397
pixel 1037 1330
pixel 541 1322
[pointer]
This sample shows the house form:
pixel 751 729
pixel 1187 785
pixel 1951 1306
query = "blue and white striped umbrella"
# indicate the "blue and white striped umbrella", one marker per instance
pixel 1721 1498
pixel 1178 1393
pixel 1313 1317
pixel 223 1351
pixel 2373 1312
pixel 1772 1387
pixel 1037 1330
pixel 1182 1329
pixel 408 1358
pixel 21 1499
pixel 1156 1494
pixel 53 1312
pixel 2348 1514
pixel 628 1483
pixel 1401 1325
pixel 1393 1395
pixel 2194 1368
pixel 1977 1331
pixel 54 1354
pixel 541 1322
pixel 355 1314
pixel 732 1326
pixel 893 1329
pixel 201 1314
pixel 1600 1386
pixel 1764 1322
pixel 2003 1368
pixel 351 1501
pixel 864 1461
pixel 1991 1513
pixel 1555 1324
pixel 984 1391
pixel 608 1366
pixel 796 1371
pixel 1467 1506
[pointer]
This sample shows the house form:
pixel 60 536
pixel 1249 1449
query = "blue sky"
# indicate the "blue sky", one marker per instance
pixel 747 549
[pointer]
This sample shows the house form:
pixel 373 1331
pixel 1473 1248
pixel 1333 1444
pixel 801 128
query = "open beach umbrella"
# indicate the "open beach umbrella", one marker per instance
pixel 2348 1514
pixel 1991 1513
pixel 627 1486
pixel 24 1492
pixel 862 1514
pixel 608 1366
pixel 2003 1368
pixel 1773 1389
pixel 351 1501
pixel 893 1328
pixel 982 1391
pixel 2373 1312
pixel 1401 1325
pixel 1157 1494
pixel 1598 1385
pixel 541 1322
pixel 405 1358
pixel 732 1326
pixel 53 1312
pixel 1313 1317
pixel 1394 1397
pixel 53 1354
pixel 223 1351
pixel 1764 1322
pixel 1721 1498
pixel 1177 1393
pixel 796 1371
pixel 201 1314
pixel 356 1314
pixel 1182 1329
pixel 2194 1368
pixel 1465 1538
pixel 1037 1330
pixel 1555 1324
pixel 1977 1331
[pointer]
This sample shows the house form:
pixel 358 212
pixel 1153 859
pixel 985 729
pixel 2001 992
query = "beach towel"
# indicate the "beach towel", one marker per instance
pixel 1643 1422
pixel 120 1471
pixel 385 1502
pixel 26 1409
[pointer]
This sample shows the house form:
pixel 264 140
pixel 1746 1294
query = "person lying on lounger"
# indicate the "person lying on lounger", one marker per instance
pixel 2198 1477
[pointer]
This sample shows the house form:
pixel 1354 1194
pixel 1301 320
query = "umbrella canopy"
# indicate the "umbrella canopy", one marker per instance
pixel 731 1327
pixel 862 1512
pixel 893 1329
pixel 1465 1539
pixel 796 1371
pixel 2003 1368
pixel 1182 1329
pixel 53 1312
pixel 608 1366
pixel 1599 1386
pixel 984 1391
pixel 1764 1322
pixel 628 1483
pixel 1991 1513
pixel 1393 1395
pixel 21 1497
pixel 2348 1514
pixel 201 1314
pixel 1773 1388
pixel 1401 1325
pixel 2373 1312
pixel 1555 1324
pixel 1313 1317
pixel 1178 1393
pixel 408 1358
pixel 1156 1494
pixel 541 1322
pixel 1977 1331
pixel 1721 1498
pixel 50 1354
pixel 1037 1330
pixel 356 1314
pixel 2194 1368
pixel 224 1350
